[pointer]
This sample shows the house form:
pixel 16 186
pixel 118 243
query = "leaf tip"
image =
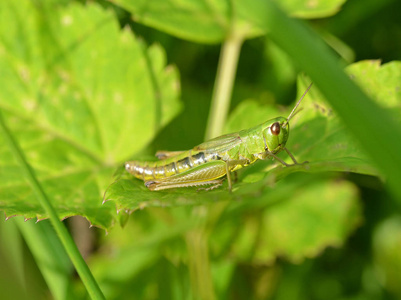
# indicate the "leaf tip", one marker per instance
pixel 9 217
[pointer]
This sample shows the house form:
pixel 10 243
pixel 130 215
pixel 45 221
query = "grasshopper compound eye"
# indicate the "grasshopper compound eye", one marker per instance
pixel 275 128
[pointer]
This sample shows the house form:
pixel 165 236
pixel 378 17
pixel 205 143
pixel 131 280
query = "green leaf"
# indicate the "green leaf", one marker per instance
pixel 297 217
pixel 376 80
pixel 213 21
pixel 311 9
pixel 313 219
pixel 387 256
pixel 200 21
pixel 297 220
pixel 140 254
pixel 130 194
pixel 80 96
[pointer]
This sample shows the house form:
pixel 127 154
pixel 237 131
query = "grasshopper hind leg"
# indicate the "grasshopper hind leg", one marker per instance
pixel 215 186
pixel 157 186
pixel 208 173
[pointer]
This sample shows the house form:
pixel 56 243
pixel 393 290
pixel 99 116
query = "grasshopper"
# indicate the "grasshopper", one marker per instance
pixel 208 162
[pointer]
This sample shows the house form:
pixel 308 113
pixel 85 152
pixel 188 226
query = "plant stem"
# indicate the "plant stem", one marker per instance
pixel 199 263
pixel 66 239
pixel 197 240
pixel 223 86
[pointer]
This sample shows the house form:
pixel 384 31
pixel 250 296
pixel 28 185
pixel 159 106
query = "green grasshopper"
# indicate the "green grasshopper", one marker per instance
pixel 208 162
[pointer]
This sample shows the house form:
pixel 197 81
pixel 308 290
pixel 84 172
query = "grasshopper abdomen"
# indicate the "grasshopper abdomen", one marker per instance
pixel 168 167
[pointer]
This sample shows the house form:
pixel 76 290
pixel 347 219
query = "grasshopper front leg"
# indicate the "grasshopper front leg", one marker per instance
pixel 269 154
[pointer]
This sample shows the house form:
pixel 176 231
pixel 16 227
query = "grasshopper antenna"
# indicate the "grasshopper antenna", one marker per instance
pixel 296 106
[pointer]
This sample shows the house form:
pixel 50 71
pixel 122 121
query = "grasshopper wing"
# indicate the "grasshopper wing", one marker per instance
pixel 167 154
pixel 220 144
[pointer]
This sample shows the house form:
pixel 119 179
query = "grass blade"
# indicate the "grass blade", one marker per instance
pixel 66 239
pixel 369 123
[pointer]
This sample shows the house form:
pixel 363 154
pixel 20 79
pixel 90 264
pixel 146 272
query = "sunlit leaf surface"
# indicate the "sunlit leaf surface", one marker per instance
pixel 213 21
pixel 298 219
pixel 80 95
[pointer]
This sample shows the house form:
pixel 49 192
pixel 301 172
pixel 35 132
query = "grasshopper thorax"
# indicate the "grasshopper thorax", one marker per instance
pixel 275 134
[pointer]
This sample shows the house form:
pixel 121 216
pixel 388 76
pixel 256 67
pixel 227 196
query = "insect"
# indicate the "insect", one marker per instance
pixel 210 161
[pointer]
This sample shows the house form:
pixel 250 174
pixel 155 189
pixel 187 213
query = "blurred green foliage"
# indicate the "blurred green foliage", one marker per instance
pixel 282 234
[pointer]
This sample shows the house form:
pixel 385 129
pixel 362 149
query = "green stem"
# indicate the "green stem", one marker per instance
pixel 223 86
pixel 66 239
pixel 199 263
pixel 197 240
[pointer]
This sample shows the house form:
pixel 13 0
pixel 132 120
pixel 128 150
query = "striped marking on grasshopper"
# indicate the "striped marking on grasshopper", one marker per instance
pixel 210 161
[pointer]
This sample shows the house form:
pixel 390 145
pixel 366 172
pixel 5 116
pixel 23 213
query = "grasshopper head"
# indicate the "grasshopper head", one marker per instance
pixel 276 134
pixel 276 131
